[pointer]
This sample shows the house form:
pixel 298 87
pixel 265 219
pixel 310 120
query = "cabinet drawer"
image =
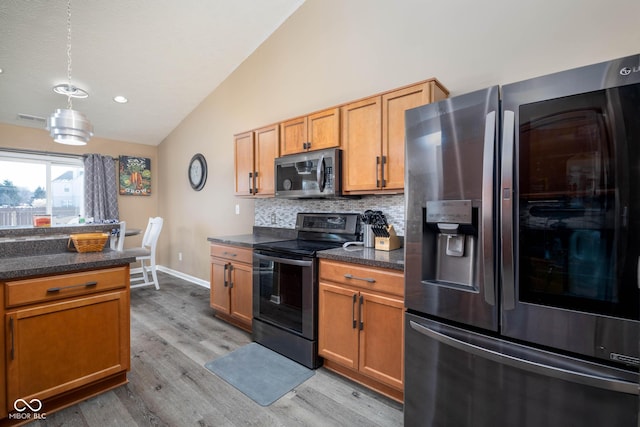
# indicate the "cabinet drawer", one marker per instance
pixel 29 291
pixel 370 278
pixel 232 253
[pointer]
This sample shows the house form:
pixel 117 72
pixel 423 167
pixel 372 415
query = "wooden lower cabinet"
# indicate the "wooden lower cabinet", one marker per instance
pixel 66 338
pixel 232 284
pixel 361 329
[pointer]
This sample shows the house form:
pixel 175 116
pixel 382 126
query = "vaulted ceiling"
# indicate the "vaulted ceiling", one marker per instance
pixel 164 56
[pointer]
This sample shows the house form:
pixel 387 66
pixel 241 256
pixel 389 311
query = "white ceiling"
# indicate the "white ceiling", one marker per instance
pixel 165 56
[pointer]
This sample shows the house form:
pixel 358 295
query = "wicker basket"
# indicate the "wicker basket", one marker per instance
pixel 87 242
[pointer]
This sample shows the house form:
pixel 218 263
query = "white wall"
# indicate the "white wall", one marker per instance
pixel 334 51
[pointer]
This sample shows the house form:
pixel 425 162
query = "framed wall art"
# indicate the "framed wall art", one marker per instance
pixel 135 176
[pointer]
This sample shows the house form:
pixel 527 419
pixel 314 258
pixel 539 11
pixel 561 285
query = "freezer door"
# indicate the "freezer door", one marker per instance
pixel 455 377
pixel 450 180
pixel 571 210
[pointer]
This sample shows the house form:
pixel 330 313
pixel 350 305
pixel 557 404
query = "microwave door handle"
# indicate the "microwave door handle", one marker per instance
pixel 506 214
pixel 486 237
pixel 320 175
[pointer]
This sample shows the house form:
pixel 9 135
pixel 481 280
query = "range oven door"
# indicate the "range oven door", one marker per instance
pixel 284 292
pixel 571 210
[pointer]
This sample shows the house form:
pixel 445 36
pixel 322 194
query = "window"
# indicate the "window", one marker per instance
pixel 36 184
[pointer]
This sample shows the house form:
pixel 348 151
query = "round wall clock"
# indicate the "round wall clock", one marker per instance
pixel 197 172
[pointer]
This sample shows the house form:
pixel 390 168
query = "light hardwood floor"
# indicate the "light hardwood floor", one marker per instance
pixel 173 334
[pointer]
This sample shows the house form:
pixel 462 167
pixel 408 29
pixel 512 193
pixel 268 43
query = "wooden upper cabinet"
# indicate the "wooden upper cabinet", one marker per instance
pixel 380 169
pixel 394 104
pixel 361 142
pixel 313 132
pixel 324 129
pixel 255 153
pixel 294 135
pixel 244 164
pixel 267 146
pixel 370 132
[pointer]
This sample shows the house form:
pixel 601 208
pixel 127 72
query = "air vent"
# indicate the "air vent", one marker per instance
pixel 31 118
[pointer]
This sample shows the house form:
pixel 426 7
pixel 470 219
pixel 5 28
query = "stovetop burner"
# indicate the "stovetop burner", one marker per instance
pixel 298 246
pixel 317 232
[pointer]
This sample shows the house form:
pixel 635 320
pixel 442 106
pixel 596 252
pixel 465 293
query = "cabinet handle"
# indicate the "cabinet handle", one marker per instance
pixel 12 352
pixel 377 171
pixel 225 274
pixel 255 189
pixel 250 184
pixel 366 279
pixel 81 285
pixel 353 311
pixel 229 254
pixel 360 312
pixel 383 162
pixel 230 281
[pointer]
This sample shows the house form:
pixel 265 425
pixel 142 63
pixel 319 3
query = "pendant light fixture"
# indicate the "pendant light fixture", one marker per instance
pixel 68 126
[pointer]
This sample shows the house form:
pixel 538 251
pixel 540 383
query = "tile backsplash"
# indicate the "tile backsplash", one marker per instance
pixel 282 212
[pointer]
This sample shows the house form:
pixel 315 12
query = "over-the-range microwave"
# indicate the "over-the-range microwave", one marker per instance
pixel 313 174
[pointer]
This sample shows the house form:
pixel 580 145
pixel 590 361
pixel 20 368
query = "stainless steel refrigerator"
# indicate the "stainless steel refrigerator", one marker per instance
pixel 522 249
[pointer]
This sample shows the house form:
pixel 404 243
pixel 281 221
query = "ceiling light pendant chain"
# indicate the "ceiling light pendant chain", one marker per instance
pixel 69 126
pixel 69 102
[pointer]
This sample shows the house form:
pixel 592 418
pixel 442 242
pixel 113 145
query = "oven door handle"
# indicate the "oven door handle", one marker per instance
pixel 297 262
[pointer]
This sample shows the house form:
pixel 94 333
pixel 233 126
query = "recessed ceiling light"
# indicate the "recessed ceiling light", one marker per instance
pixel 1 71
pixel 120 99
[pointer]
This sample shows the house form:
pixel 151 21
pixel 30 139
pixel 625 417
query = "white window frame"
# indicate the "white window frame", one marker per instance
pixel 49 160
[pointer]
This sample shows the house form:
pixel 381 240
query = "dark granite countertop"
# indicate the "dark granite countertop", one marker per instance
pixel 243 240
pixel 24 266
pixel 355 254
pixel 367 256
pixel 30 233
pixel 259 235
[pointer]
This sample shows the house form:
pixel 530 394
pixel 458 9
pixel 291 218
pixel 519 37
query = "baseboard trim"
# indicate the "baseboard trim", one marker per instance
pixel 180 275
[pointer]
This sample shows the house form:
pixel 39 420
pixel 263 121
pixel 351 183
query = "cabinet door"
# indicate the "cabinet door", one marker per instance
pixel 324 129
pixel 57 347
pixel 293 136
pixel 394 104
pixel 267 147
pixel 219 299
pixel 244 164
pixel 361 141
pixel 242 292
pixel 338 325
pixel 382 338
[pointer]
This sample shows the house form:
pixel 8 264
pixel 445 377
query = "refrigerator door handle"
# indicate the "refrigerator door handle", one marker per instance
pixel 487 207
pixel 506 214
pixel 502 357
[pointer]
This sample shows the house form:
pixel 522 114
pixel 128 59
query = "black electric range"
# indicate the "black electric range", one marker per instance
pixel 285 284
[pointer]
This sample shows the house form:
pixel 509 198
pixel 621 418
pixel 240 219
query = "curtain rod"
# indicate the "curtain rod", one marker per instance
pixel 35 152
pixel 22 151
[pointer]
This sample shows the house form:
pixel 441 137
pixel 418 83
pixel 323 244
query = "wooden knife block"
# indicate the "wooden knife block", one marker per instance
pixel 388 243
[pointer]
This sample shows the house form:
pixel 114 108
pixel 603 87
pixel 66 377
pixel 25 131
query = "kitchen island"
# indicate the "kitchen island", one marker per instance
pixel 66 323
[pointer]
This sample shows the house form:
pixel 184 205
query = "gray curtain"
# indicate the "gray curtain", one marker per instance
pixel 100 188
